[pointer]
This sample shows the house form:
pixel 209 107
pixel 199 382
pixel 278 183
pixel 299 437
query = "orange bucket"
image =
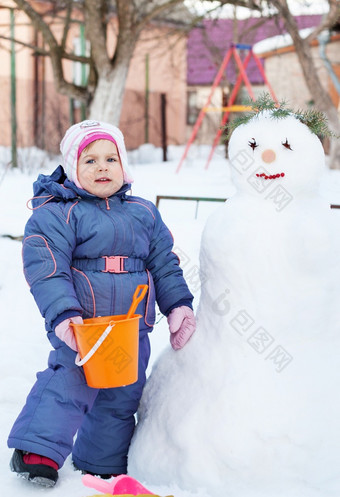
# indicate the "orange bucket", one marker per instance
pixel 108 346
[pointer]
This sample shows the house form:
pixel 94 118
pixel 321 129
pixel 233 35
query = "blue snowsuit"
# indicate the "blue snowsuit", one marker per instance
pixel 65 243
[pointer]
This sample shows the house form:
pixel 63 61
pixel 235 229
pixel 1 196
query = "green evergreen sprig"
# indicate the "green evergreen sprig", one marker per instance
pixel 316 122
pixel 314 119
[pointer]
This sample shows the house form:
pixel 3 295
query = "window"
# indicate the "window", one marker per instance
pixel 192 108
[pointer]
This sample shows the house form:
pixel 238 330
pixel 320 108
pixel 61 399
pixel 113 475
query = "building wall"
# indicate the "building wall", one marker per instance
pixel 212 117
pixel 23 71
pixel 167 74
pixel 285 75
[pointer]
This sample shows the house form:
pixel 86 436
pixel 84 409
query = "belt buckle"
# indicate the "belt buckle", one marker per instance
pixel 114 264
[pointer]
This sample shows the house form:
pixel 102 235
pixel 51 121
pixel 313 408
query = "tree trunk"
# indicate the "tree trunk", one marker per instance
pixel 319 94
pixel 108 98
pixel 112 74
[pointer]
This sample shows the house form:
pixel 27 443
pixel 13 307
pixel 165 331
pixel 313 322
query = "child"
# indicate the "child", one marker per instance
pixel 87 246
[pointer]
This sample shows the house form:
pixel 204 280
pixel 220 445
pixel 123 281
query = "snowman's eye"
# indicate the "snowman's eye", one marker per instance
pixel 286 144
pixel 252 143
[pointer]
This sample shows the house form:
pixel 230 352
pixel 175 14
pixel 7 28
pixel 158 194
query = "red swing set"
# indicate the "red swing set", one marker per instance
pixel 242 77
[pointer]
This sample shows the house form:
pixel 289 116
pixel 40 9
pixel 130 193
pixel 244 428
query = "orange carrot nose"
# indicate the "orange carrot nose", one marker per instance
pixel 268 156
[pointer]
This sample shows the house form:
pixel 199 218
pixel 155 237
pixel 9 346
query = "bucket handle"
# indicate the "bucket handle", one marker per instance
pixel 137 297
pixel 81 362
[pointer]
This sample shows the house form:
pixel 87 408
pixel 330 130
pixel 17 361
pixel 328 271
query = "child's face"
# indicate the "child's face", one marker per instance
pixel 99 169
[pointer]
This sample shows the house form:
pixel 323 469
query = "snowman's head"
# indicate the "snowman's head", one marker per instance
pixel 268 150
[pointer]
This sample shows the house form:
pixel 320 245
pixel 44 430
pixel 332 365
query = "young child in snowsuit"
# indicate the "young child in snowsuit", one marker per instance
pixel 87 246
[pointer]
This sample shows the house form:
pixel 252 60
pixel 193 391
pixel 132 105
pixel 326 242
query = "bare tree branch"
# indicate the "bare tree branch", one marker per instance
pixel 42 51
pixel 38 22
pixel 130 27
pixel 156 11
pixel 159 9
pixel 56 54
pixel 67 24
pixel 96 34
pixel 249 4
pixel 328 21
pixel 34 48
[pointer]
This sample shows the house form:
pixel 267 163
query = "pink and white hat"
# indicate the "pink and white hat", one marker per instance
pixel 80 135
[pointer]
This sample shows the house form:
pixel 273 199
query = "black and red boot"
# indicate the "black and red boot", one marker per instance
pixel 34 468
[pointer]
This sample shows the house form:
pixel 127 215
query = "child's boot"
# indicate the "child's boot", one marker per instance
pixel 102 476
pixel 34 468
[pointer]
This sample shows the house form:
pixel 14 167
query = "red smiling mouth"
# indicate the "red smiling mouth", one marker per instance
pixel 271 176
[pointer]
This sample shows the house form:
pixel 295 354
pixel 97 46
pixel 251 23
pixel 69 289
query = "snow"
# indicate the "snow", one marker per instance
pixel 24 345
pixel 278 41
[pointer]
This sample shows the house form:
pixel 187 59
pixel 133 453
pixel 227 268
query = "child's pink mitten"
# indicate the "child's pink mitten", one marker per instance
pixel 65 332
pixel 182 325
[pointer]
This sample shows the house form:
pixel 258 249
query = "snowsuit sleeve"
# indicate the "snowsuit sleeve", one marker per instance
pixel 48 245
pixel 170 286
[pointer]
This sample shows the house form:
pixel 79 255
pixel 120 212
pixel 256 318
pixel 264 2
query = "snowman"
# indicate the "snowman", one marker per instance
pixel 251 406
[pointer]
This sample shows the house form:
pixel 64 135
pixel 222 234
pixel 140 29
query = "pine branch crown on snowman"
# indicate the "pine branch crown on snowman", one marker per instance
pixel 314 119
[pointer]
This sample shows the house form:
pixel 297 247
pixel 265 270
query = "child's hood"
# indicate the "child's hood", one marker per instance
pixel 53 185
pixel 58 187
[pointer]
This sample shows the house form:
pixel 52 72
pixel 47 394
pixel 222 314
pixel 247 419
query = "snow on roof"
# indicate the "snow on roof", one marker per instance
pixel 278 41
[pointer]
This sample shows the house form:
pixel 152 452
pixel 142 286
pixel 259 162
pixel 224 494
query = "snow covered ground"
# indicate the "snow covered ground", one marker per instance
pixel 24 347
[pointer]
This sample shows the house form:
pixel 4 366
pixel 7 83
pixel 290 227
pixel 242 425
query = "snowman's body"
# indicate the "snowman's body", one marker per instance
pixel 251 406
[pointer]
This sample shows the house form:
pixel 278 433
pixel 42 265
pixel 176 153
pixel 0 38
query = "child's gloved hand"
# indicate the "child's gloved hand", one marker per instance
pixel 182 325
pixel 65 332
